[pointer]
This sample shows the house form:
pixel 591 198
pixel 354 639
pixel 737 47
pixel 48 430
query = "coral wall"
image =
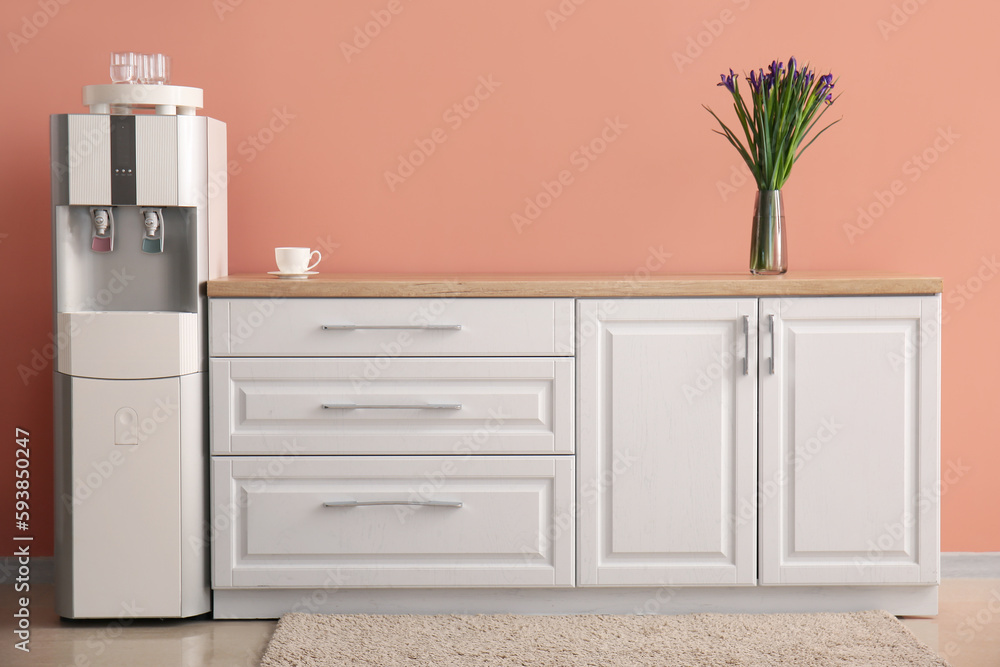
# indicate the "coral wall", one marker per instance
pixel 539 135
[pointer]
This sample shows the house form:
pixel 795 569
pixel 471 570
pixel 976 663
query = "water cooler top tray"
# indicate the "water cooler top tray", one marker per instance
pixel 168 100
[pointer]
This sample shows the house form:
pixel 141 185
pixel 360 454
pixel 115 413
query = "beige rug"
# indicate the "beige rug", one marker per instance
pixel 870 638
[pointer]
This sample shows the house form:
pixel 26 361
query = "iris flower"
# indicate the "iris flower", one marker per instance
pixel 783 108
pixel 729 81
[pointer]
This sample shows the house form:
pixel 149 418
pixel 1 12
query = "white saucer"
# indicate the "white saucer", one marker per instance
pixel 293 276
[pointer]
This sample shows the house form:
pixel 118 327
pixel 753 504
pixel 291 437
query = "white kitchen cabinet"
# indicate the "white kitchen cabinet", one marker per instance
pixel 671 445
pixel 401 443
pixel 845 429
pixel 849 440
pixel 667 441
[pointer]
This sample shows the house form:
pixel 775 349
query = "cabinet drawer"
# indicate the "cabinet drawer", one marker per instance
pixel 392 406
pixel 487 521
pixel 391 327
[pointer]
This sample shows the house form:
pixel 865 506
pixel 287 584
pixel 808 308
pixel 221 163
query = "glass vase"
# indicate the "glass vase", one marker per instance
pixel 768 256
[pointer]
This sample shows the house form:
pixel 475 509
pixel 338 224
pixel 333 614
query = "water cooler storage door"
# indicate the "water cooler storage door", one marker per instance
pixel 135 521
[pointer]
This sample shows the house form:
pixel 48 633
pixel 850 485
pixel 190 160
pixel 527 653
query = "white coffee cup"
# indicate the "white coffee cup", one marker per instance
pixel 296 260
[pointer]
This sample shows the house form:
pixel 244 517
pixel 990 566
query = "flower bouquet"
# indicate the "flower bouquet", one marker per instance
pixel 784 107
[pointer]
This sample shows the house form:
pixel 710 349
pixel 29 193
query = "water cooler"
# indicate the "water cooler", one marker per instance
pixel 138 226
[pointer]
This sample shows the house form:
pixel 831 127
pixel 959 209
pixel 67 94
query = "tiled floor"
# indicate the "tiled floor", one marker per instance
pixel 966 632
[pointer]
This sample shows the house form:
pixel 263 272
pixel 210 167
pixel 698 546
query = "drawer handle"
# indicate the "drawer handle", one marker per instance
pixel 370 503
pixel 419 327
pixel 392 406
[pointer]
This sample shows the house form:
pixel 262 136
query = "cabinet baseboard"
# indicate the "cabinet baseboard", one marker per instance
pixel 954 565
pixel 272 603
pixel 963 565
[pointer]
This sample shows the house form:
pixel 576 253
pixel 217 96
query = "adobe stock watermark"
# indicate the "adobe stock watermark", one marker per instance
pixel 249 149
pixel 469 444
pixel 99 641
pixel 84 145
pixel 886 545
pixel 739 175
pixel 967 290
pixel 244 327
pixel 899 16
pixel 223 7
pixel 825 433
pixel 364 33
pixel 971 626
pixel 93 139
pixel 87 484
pixel 422 315
pixel 454 117
pixel 656 602
pixel 227 510
pixel 253 144
pixel 326 245
pixel 581 159
pixel 955 299
pixel 562 12
pixel 588 495
pixel 734 355
pixel 41 358
pixel 914 168
pixel 588 328
pixel 712 28
pixel 34 23
pixel 312 601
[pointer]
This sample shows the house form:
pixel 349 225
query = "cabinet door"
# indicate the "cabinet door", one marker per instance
pixel 666 450
pixel 849 408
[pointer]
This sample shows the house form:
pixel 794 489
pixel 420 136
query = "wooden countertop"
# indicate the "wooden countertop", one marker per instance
pixel 572 285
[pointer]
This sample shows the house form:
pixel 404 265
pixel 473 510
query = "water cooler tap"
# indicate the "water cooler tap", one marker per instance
pixel 103 239
pixel 152 240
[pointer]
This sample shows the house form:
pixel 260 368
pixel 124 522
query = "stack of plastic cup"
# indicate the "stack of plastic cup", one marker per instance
pixel 144 68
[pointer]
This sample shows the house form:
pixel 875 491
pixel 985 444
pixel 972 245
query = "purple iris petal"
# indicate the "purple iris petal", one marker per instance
pixel 728 81
pixel 826 85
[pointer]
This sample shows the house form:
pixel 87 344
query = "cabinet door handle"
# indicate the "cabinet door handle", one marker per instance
pixel 415 327
pixel 770 327
pixel 392 406
pixel 371 503
pixel 746 345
